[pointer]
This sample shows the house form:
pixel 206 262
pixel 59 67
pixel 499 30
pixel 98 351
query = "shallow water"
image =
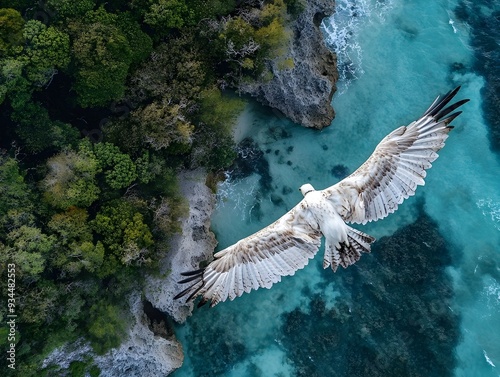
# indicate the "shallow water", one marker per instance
pixel 395 56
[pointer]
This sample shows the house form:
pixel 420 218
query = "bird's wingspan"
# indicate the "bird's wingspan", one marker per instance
pixel 257 261
pixel 396 167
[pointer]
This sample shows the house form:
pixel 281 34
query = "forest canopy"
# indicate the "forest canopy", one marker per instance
pixel 102 103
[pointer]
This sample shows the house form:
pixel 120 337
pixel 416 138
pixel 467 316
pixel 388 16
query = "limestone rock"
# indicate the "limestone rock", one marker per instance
pixel 304 92
pixel 195 244
pixel 142 354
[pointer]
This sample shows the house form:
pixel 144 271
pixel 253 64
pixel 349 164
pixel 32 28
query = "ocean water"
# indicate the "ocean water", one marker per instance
pixel 426 301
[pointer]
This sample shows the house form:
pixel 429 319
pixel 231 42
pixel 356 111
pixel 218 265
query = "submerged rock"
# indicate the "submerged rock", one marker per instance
pixel 340 171
pixel 303 93
pixel 394 318
pixel 251 160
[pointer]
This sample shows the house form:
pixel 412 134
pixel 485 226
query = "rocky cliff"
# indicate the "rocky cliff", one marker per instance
pixel 303 93
pixel 150 348
pixel 195 244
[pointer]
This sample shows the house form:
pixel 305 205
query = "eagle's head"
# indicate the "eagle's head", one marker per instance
pixel 304 189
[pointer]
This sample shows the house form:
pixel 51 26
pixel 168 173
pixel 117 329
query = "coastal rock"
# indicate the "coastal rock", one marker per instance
pixel 304 92
pixel 143 354
pixel 194 244
pixel 150 348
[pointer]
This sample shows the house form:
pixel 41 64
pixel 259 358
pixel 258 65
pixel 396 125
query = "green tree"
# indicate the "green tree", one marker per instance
pixel 203 9
pixel 75 250
pixel 71 179
pixel 46 50
pixel 37 131
pixel 28 248
pixel 11 76
pixel 71 225
pixel 17 203
pixel 70 8
pixel 107 326
pixel 14 191
pixel 102 57
pixel 163 123
pixel 124 232
pixel 169 14
pixel 119 169
pixel 104 47
pixel 217 114
pixel 11 32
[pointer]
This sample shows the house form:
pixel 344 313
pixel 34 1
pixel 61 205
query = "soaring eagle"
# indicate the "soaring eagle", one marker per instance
pixel 391 174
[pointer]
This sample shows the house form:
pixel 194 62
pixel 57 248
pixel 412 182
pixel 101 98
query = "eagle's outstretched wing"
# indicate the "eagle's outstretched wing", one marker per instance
pixel 257 261
pixel 389 176
pixel 396 167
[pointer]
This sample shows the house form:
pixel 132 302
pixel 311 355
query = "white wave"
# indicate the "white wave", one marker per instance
pixel 239 194
pixel 490 209
pixel 341 30
pixel 488 360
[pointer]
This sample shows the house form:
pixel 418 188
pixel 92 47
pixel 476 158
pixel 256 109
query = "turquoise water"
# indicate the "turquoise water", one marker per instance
pixel 426 302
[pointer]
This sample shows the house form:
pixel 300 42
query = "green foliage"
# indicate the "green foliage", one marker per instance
pixel 162 123
pixel 218 113
pixel 71 225
pixel 149 166
pixel 295 7
pixel 124 232
pixel 11 32
pixel 247 43
pixel 218 110
pixel 11 71
pixel 177 72
pixel 75 250
pixel 169 14
pixel 38 132
pixel 71 179
pixel 210 8
pixel 140 43
pixel 27 247
pixel 13 189
pixel 77 368
pixel 102 56
pixel 46 50
pixel 104 47
pixel 70 8
pixel 119 170
pixel 107 326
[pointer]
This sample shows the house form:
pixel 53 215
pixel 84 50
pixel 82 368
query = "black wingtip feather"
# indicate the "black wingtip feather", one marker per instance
pixel 441 102
pixel 194 272
pixel 450 118
pixel 439 116
pixel 189 279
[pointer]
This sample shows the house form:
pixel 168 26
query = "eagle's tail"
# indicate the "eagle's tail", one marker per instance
pixel 349 252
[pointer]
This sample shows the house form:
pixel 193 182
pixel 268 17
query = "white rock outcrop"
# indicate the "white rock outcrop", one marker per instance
pixel 195 244
pixel 143 354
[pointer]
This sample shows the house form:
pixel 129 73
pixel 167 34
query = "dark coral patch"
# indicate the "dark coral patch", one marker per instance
pixel 395 321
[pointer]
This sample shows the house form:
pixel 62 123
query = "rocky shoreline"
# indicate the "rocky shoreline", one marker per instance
pixel 303 93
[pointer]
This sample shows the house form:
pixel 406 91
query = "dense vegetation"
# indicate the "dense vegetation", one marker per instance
pixel 101 103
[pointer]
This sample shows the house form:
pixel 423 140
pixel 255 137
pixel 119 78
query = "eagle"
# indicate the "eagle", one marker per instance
pixel 376 189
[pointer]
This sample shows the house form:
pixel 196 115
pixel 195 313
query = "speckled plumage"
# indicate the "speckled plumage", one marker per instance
pixel 373 191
